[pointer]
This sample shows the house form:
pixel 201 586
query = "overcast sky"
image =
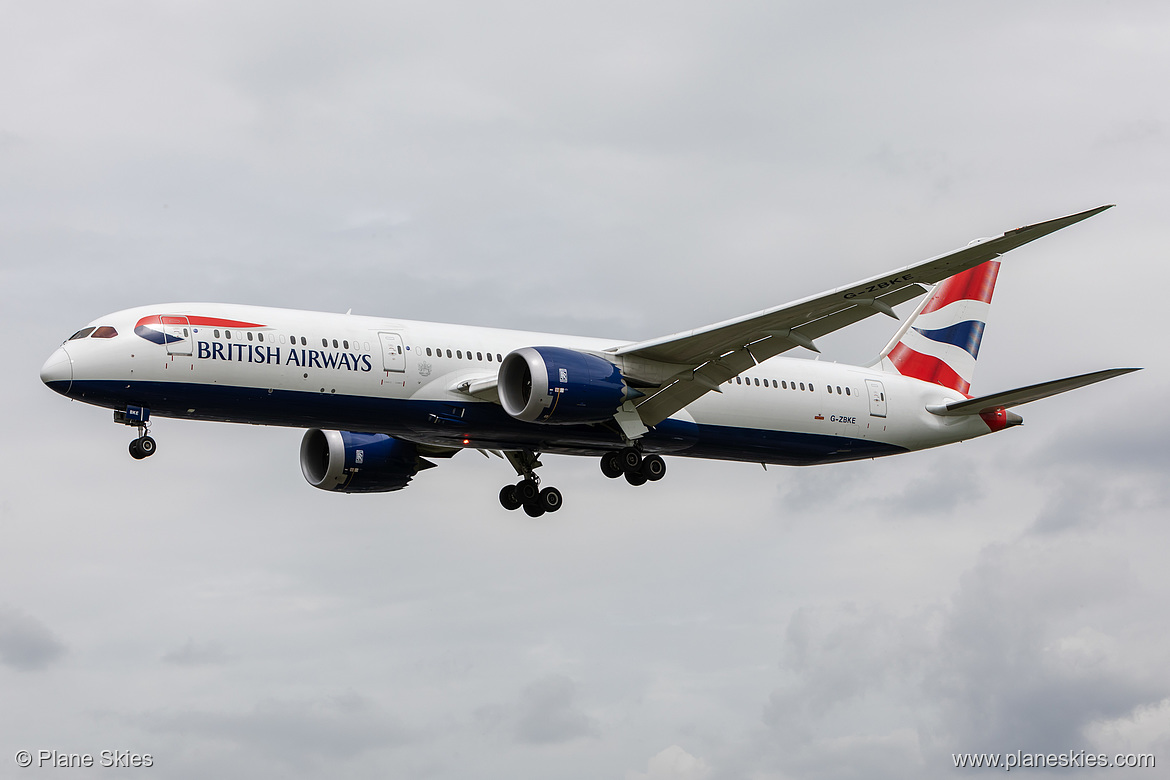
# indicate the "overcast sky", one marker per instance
pixel 615 169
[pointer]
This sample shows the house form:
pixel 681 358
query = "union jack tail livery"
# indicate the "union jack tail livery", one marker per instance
pixel 940 342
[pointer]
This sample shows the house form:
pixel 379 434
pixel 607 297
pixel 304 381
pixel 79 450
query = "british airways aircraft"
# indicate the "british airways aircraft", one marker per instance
pixel 381 396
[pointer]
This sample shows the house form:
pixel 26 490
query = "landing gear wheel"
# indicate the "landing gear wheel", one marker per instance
pixel 550 499
pixel 611 465
pixel 508 498
pixel 635 478
pixel 147 446
pixel 527 490
pixel 533 509
pixel 630 459
pixel 136 450
pixel 653 468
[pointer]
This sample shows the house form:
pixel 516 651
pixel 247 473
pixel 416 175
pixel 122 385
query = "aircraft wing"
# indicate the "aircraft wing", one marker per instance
pixel 713 354
pixel 1025 395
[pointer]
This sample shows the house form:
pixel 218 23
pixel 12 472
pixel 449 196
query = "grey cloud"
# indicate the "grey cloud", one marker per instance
pixel 545 713
pixel 335 727
pixel 192 653
pixel 26 643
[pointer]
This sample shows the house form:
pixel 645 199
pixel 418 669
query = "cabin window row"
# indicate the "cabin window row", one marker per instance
pixel 304 342
pixel 459 354
pixel 784 384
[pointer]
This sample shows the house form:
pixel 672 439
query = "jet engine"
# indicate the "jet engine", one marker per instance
pixel 560 386
pixel 344 462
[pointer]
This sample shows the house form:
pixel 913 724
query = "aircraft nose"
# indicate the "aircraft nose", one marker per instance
pixel 57 372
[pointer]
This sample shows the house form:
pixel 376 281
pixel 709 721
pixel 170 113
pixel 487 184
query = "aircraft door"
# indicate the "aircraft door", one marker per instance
pixel 176 334
pixel 393 354
pixel 877 398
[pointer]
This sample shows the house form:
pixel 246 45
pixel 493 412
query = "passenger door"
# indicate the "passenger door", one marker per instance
pixel 393 353
pixel 877 397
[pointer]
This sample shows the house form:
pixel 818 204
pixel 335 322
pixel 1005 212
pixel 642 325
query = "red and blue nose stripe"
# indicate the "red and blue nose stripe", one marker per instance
pixel 152 327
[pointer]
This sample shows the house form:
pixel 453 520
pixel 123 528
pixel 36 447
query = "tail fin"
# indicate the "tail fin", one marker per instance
pixel 939 343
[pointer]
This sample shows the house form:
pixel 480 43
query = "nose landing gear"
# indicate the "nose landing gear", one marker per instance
pixel 527 492
pixel 137 417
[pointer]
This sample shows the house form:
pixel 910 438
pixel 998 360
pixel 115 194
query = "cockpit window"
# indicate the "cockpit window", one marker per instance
pixel 104 332
pixel 81 334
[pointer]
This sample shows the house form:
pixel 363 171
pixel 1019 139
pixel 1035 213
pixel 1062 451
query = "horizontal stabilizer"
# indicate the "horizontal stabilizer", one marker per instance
pixel 1023 395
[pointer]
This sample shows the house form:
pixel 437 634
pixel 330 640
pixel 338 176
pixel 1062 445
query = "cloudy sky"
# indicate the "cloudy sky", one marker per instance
pixel 615 169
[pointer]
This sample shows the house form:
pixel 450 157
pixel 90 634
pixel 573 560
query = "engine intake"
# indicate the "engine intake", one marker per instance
pixel 560 386
pixel 345 462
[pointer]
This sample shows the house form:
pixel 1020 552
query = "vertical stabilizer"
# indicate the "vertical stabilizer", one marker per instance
pixel 939 343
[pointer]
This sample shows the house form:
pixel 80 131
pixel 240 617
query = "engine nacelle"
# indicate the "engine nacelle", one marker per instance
pixel 560 386
pixel 345 462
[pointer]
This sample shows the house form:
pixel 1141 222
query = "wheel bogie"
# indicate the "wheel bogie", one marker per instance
pixel 653 468
pixel 508 498
pixel 635 478
pixel 611 465
pixel 550 499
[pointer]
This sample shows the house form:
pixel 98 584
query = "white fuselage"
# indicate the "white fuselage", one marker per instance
pixel 410 379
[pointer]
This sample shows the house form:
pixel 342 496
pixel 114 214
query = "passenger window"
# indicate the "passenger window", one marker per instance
pixel 498 358
pixel 249 335
pixel 324 342
pixel 303 342
pixel 784 384
pixel 489 357
pixel 400 350
pixel 260 336
pixel 345 344
pixel 838 389
pixel 479 356
pixel 428 351
pixel 774 384
pixel 448 353
pixel 738 381
pixel 757 381
pixel 459 354
pixel 847 391
pixel 216 332
pixel 335 343
pixel 802 385
pixel 104 332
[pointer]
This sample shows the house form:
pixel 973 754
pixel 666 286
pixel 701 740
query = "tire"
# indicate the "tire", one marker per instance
pixel 527 490
pixel 508 498
pixel 653 468
pixel 136 450
pixel 635 478
pixel 611 465
pixel 630 459
pixel 147 446
pixel 550 499
pixel 533 509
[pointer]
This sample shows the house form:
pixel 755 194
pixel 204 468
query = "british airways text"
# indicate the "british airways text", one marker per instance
pixel 305 358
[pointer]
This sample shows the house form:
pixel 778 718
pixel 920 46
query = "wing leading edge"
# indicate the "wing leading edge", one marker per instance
pixel 708 356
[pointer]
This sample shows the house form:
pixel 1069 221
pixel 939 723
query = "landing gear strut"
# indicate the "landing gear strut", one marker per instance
pixel 137 417
pixel 527 492
pixel 629 462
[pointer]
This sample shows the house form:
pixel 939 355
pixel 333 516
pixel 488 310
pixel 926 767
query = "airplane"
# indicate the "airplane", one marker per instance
pixel 383 398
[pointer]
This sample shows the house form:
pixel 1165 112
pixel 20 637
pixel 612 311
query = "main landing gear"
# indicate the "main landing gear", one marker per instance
pixel 629 462
pixel 527 492
pixel 137 417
